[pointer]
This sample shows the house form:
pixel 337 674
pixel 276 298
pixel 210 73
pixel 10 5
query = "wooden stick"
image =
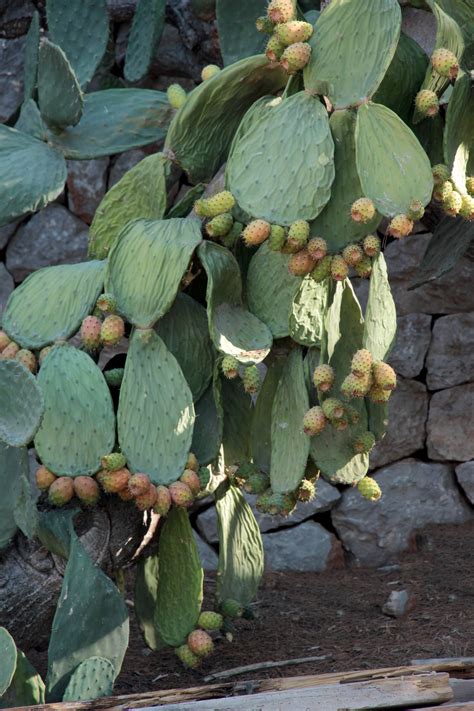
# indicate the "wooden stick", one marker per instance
pixel 262 665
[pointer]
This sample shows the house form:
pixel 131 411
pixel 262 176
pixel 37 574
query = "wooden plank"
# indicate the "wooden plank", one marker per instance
pixel 468 706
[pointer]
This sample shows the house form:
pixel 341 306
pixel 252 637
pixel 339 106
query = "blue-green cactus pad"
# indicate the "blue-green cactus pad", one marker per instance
pixel 22 404
pixel 92 678
pixel 8 656
pixel 459 132
pixel 30 65
pixel 208 428
pixel 145 33
pixel 238 36
pixel 27 687
pixel 59 94
pixel 308 310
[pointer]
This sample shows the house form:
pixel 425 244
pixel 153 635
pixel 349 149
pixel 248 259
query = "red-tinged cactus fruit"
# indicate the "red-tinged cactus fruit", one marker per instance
pixel 209 71
pixel 61 491
pixel 363 269
pixel 293 31
pixel 200 643
pixel 43 353
pixel 163 500
pixel 415 210
pixel 333 409
pixel 384 375
pixel 188 659
pixel 339 268
pixel 90 332
pixel 369 489
pixel 467 208
pixel 324 377
pixel 139 484
pixel 361 363
pixel 113 482
pixel 452 203
pixel 147 500
pixel 298 235
pixel 256 232
pixel 280 11
pixel 112 330
pixel 340 425
pixel 317 247
pixel 230 367
pixel 125 494
pixel 314 421
pixel 442 190
pixel 364 443
pixel 192 462
pixel 363 210
pixel 27 358
pixel 4 341
pixel 181 494
pixel 400 226
pixel 44 478
pixel 106 303
pixel 10 351
pixel 210 620
pixel 426 102
pixel 176 96
pixel 295 57
pixel 322 270
pixel 352 254
pixel 190 478
pixel 445 63
pixel 371 245
pixel 87 490
pixel 274 49
pixel 251 379
pixel 301 263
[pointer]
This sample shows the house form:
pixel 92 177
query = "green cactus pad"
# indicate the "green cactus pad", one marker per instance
pixel 185 334
pixel 146 589
pixel 459 132
pixel 208 428
pixel 237 406
pixel 335 223
pixel 238 36
pixel 147 264
pixel 260 433
pixel 78 425
pixel 344 468
pixel 25 511
pixel 113 121
pixel 340 68
pixel 27 190
pixel 30 66
pixel 14 468
pixel 202 130
pixel 27 687
pixel 294 181
pixel 59 94
pixel 234 331
pixel 307 312
pixel 155 432
pixel 30 121
pixel 184 206
pixel 91 601
pixel 289 444
pixel 8 656
pixel 81 29
pixel 145 34
pixel 271 289
pixel 257 110
pixel 180 579
pixel 240 566
pixel 393 168
pixel 380 327
pixel 92 678
pixel 51 303
pixel 140 194
pixel 54 530
pixel 22 404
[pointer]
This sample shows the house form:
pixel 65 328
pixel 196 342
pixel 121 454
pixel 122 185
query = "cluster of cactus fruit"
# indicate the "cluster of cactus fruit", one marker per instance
pixel 246 366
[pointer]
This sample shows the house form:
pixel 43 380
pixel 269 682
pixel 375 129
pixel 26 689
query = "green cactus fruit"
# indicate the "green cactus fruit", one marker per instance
pixel 44 478
pixel 452 204
pixel 333 409
pixel 378 395
pixel 363 210
pixel 274 49
pixel 189 659
pixel 27 358
pixel 363 269
pixel 106 303
pixel 369 489
pixel 339 268
pixel 324 377
pixel 230 239
pixel 470 185
pixel 139 484
pixel 295 57
pixel 113 482
pixel 361 363
pixel 293 31
pixel 192 462
pixel 297 235
pixel 90 332
pixel 181 494
pixel 443 190
pixel 277 238
pixel 251 379
pixel 262 501
pixel 426 102
pixel 384 375
pixel 232 608
pixel 322 269
pixel 364 443
pixel 114 461
pixel 256 232
pixel 371 246
pixel 112 330
pixel 257 483
pixel 4 341
pixel 282 504
pixel 230 367
pixel 61 491
pixel 400 226
pixel 163 500
pixel 280 11
pixel 301 263
pixel 306 491
pixel 114 377
pixel 467 207
pixel 147 500
pixel 200 643
pixel 353 415
pixel 43 353
pixel 219 203
pixel 190 478
pixel 440 173
pixel 211 621
pixel 176 96
pixel 445 63
pixel 220 225
pixel 204 477
pixel 209 71
pixel 86 489
pixel 314 421
pixel 317 247
pixel 415 210
pixel 352 254
pixel 356 386
pixel 10 351
pixel 264 24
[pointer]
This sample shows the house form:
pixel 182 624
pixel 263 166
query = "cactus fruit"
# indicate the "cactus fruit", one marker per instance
pixel 251 379
pixel 232 608
pixel 44 478
pixel 306 491
pixel 4 341
pixel 10 351
pixel 181 494
pixel 230 367
pixel 467 207
pixel 440 173
pixel 204 477
pixel 90 332
pixel 115 481
pixel 112 330
pixel 415 210
pixel 87 490
pixel 364 443
pixel 256 232
pixel 280 11
pixel 106 303
pixel 176 96
pixel 322 269
pixel 215 205
pixel 294 31
pixel 297 236
pixel 43 353
pixel 356 386
pixel 277 238
pixel 257 483
pixel 361 363
pixel 340 425
pixel 314 421
pixel 211 621
pixel 114 377
pixel 339 268
pixel 125 494
pixel 427 103
pixel 363 269
pixel 443 190
pixel 220 225
pixel 113 461
pixel 469 188
pixel 352 414
pixel 209 71
pixel 295 57
pixel 200 643
pixel 384 375
pixel 61 491
pixel 378 395
pixel 369 489
pixel 147 500
pixel 230 239
pixel 323 377
pixel 352 254
pixel 371 245
pixel 139 484
pixel 27 358
pixel 163 501
pixel 363 210
pixel 445 63
pixel 400 226
pixel 317 247
pixel 190 478
pixel 452 203
pixel 189 659
pixel 192 462
pixel 281 504
pixel 333 408
pixel 274 49
pixel 301 263
pixel 264 24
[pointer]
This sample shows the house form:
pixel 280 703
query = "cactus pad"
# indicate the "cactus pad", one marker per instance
pixel 238 36
pixel 459 132
pixel 307 312
pixel 51 303
pixel 92 678
pixel 147 264
pixel 59 94
pixel 8 656
pixel 294 181
pixel 30 67
pixel 146 588
pixel 78 426
pixel 27 687
pixel 208 428
pixel 145 34
pixel 380 325
pixel 155 432
pixel 260 434
pixel 22 404
pixel 237 406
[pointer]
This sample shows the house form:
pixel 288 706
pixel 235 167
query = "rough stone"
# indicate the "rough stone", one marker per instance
pixel 465 476
pixel 421 26
pixel 86 182
pixel 305 547
pixel 52 236
pixel 398 604
pixel 450 359
pixel 450 424
pixel 125 162
pixel 11 76
pixel 7 232
pixel 414 494
pixel 6 287
pixel 207 554
pixel 407 414
pixel 413 340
